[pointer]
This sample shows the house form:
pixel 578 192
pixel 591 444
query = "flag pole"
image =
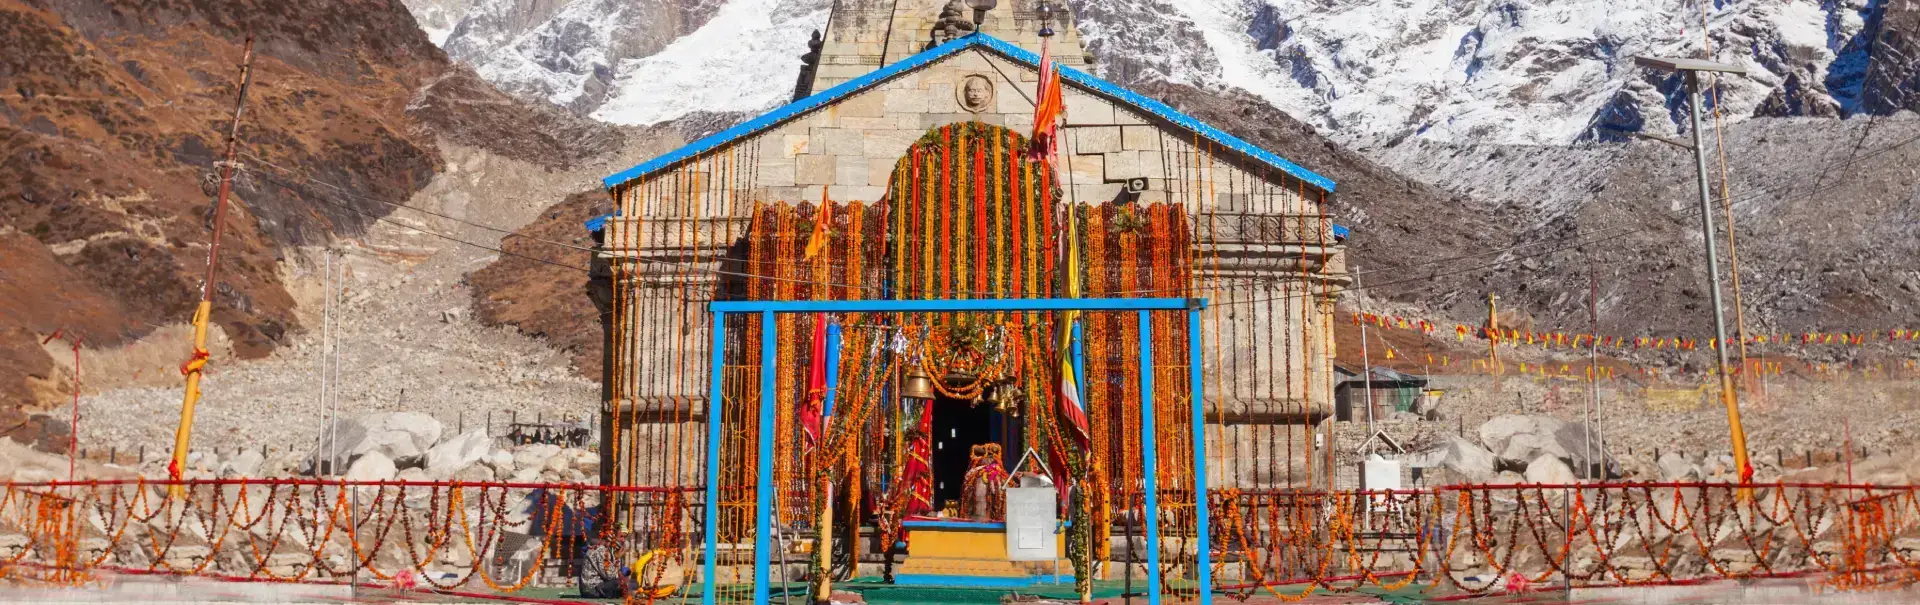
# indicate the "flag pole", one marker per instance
pixel 195 366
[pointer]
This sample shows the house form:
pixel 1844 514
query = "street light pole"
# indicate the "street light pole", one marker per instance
pixel 1691 68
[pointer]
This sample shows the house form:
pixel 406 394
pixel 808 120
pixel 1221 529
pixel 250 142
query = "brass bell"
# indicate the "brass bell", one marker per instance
pixel 918 385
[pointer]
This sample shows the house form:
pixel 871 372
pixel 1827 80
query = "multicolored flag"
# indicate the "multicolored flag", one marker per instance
pixel 1071 407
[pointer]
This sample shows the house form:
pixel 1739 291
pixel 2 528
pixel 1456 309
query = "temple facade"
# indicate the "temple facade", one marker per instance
pixel 906 169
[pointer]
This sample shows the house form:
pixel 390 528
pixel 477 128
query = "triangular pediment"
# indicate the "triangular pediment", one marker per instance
pixel 1077 79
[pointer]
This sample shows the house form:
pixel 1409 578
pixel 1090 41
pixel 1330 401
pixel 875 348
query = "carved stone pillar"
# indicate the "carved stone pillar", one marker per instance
pixel 1272 279
pixel 664 272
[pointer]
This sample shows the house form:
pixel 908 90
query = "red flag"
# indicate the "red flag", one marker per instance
pixel 816 382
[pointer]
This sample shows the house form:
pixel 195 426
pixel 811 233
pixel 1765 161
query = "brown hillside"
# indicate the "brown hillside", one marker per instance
pixel 547 300
pixel 112 117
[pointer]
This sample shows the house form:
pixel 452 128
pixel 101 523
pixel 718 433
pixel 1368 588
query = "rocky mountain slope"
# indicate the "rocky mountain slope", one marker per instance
pixel 112 116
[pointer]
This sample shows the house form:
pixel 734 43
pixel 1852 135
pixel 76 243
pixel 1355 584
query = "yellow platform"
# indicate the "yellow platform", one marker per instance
pixel 972 553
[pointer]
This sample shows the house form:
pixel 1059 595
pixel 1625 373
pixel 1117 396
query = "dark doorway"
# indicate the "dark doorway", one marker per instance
pixel 957 427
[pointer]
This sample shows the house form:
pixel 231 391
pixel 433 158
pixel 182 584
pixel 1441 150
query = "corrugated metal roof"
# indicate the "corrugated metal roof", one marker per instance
pixel 977 40
pixel 1380 374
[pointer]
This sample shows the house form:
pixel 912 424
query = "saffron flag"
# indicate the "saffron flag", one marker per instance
pixel 1048 105
pixel 817 242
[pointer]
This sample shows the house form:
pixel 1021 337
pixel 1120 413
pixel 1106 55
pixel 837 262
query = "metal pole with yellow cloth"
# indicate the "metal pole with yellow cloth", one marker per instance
pixel 196 365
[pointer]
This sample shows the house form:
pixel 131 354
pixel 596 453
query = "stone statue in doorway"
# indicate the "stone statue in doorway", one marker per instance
pixel 983 492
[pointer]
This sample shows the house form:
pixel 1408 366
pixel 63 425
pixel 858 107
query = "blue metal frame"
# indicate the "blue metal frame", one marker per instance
pixel 1000 47
pixel 978 305
pixel 764 492
pixel 716 390
pixel 1149 459
pixel 1204 553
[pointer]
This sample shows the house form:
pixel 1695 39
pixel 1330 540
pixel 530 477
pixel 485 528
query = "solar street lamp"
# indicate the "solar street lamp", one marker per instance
pixel 1691 68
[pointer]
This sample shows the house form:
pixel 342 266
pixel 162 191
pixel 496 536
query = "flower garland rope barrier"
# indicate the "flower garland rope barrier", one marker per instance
pixel 1282 543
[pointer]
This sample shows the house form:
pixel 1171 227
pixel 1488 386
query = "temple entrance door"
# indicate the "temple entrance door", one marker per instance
pixel 957 427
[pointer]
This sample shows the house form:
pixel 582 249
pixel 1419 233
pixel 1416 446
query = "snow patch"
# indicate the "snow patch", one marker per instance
pixel 746 58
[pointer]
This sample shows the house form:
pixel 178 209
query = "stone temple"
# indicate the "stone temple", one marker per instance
pixel 906 169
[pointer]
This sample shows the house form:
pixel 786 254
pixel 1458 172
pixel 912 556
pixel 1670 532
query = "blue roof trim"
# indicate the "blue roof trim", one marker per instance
pixel 789 111
pixel 1001 47
pixel 1170 114
pixel 595 224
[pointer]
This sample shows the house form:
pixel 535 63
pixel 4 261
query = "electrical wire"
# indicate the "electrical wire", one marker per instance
pixel 1748 198
pixel 360 212
pixel 1602 236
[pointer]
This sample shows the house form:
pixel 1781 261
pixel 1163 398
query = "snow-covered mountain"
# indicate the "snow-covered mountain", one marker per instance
pixel 630 61
pixel 1367 72
pixel 1500 71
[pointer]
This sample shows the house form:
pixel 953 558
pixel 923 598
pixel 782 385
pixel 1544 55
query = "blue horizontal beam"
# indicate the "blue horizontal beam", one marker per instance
pixel 977 305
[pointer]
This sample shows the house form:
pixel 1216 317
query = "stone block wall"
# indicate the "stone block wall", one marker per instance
pixel 850 149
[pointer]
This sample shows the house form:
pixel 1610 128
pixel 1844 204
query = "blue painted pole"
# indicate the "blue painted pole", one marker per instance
pixel 716 392
pixel 1079 360
pixel 833 375
pixel 1204 553
pixel 975 305
pixel 1148 460
pixel 763 500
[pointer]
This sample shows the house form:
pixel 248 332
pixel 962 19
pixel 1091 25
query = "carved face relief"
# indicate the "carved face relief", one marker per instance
pixel 976 93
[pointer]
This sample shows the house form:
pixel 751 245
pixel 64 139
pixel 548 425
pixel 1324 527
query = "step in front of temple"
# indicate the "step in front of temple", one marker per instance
pixel 973 554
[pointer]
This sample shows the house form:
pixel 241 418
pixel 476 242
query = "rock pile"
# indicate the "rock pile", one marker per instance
pixel 398 446
pixel 1519 449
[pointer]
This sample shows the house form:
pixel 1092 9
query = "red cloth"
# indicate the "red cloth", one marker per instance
pixel 917 478
pixel 816 383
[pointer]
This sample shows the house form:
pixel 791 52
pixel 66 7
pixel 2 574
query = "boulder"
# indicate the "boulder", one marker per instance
pixel 534 456
pixel 501 461
pixel 1473 463
pixel 1583 451
pixel 411 474
pixel 243 464
pixel 475 473
pixel 1517 438
pixel 1547 468
pixel 457 453
pixel 1675 466
pixel 403 437
pixel 372 466
pixel 527 475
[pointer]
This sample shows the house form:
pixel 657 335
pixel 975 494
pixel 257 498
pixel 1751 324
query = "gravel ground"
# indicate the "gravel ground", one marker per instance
pixel 405 335
pixel 1792 419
